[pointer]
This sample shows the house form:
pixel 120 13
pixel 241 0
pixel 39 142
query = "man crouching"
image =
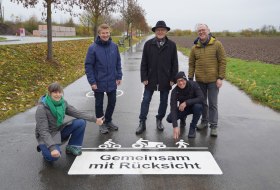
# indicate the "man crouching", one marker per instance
pixel 190 97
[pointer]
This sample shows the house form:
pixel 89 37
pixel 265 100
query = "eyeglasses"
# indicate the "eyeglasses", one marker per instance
pixel 201 30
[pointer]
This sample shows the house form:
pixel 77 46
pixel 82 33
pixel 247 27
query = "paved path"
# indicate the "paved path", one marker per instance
pixel 31 39
pixel 247 148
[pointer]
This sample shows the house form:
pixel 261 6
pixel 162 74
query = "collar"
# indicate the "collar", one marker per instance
pixel 210 41
pixel 102 43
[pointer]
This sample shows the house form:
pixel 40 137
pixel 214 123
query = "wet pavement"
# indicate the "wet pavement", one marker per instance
pixel 31 39
pixel 246 149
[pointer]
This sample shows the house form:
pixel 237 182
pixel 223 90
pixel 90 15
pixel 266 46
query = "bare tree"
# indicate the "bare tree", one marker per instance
pixel 141 23
pixel 85 21
pixel 134 15
pixel 66 5
pixel 1 13
pixel 97 8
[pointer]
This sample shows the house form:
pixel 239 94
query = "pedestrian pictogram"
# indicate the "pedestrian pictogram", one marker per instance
pixel 182 144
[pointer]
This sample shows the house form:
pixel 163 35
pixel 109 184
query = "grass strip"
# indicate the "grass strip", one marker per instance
pixel 25 74
pixel 2 39
pixel 259 80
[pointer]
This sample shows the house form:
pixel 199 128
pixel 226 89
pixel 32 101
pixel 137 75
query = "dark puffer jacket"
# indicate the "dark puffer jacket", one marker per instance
pixel 159 65
pixel 103 65
pixel 191 94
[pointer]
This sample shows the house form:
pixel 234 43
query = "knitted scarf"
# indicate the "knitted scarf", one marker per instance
pixel 57 109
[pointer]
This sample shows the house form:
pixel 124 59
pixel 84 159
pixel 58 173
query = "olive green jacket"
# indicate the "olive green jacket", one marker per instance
pixel 207 63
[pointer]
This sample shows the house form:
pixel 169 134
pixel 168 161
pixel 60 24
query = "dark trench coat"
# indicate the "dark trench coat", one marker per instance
pixel 159 65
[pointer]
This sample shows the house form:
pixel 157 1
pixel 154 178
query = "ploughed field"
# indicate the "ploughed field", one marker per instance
pixel 264 49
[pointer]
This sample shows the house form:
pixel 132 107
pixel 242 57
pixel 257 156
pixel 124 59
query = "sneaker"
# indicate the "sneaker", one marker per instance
pixel 76 151
pixel 38 148
pixel 202 126
pixel 213 132
pixel 192 133
pixel 112 126
pixel 103 129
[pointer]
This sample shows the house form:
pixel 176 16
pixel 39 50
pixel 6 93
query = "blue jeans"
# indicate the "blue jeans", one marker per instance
pixel 147 97
pixel 75 131
pixel 210 113
pixel 195 109
pixel 112 98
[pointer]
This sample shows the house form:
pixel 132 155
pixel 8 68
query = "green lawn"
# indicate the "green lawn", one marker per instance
pixel 2 39
pixel 25 74
pixel 259 80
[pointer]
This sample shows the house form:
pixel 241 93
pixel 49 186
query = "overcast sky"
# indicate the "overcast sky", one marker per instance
pixel 232 15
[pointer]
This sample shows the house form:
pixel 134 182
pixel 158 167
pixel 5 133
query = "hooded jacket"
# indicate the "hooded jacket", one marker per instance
pixel 207 63
pixel 159 65
pixel 191 94
pixel 103 65
pixel 47 132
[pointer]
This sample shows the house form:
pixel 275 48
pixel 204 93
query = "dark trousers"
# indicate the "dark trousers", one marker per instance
pixel 75 131
pixel 99 97
pixel 147 97
pixel 210 103
pixel 195 109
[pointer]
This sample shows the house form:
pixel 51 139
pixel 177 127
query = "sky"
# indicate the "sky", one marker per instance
pixel 219 15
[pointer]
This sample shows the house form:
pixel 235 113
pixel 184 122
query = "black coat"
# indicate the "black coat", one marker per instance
pixel 159 65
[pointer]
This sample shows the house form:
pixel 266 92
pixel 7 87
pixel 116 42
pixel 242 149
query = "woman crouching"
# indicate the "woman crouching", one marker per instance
pixel 52 130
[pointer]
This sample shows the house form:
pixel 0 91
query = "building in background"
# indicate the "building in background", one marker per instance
pixel 56 31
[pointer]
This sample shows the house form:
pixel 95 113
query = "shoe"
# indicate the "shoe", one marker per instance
pixel 182 123
pixel 192 132
pixel 202 126
pixel 159 125
pixel 141 128
pixel 214 132
pixel 76 151
pixel 103 129
pixel 112 126
pixel 38 148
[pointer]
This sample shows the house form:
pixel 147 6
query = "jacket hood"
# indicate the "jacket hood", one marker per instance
pixel 102 43
pixel 42 100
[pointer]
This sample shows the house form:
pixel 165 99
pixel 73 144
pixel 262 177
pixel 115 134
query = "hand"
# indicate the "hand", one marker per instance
pixel 182 106
pixel 145 82
pixel 171 83
pixel 176 132
pixel 219 83
pixel 55 153
pixel 99 121
pixel 94 87
pixel 118 82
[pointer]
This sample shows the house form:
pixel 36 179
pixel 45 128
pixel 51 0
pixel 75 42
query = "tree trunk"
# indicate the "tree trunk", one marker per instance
pixel 130 35
pixel 88 28
pixel 95 27
pixel 49 30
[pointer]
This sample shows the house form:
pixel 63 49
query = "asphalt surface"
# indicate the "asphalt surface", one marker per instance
pixel 31 39
pixel 246 149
